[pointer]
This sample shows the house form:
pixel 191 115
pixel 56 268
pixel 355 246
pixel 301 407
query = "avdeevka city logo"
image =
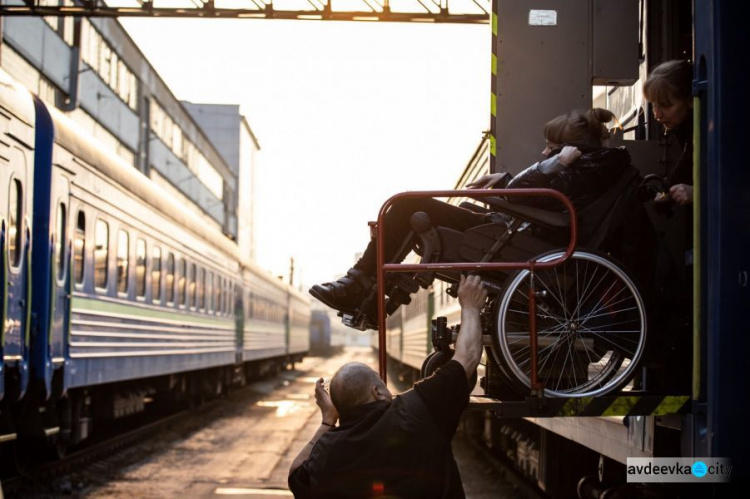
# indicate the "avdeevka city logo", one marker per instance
pixel 699 469
pixel 679 469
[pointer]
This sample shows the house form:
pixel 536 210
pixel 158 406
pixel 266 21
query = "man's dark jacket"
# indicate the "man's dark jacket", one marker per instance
pixel 399 449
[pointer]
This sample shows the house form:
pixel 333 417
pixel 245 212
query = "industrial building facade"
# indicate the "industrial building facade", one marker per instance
pixel 91 69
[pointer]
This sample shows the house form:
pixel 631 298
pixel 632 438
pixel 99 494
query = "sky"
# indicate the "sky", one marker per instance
pixel 347 114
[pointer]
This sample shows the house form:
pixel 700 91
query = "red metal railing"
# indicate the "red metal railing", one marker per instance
pixel 531 265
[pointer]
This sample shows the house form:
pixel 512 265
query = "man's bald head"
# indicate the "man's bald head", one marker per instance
pixel 353 384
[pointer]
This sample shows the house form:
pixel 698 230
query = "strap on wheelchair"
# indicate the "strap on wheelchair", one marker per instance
pixel 430 245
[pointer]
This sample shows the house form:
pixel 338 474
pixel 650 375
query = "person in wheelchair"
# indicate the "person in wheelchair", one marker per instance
pixel 577 163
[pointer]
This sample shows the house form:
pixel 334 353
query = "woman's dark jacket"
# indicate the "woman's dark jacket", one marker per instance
pixel 583 181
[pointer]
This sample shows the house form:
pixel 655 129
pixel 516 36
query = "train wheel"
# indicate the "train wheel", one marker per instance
pixel 591 326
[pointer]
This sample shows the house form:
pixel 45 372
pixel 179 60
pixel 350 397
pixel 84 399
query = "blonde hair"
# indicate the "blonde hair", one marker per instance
pixel 578 127
pixel 668 82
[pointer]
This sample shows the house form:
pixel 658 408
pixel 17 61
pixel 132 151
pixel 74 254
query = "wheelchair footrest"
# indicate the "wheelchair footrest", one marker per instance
pixel 400 288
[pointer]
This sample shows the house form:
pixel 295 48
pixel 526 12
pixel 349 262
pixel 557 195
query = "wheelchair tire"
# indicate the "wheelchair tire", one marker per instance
pixel 591 326
pixel 438 359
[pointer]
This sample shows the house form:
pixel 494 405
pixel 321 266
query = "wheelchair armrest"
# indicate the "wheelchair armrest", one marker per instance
pixel 537 216
pixel 475 207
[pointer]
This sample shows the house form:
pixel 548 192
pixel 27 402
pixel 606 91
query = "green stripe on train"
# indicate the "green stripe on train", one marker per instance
pixel 80 304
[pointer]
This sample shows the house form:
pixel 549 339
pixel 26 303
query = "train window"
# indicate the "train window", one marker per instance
pixel 79 246
pixel 15 212
pixel 209 292
pixel 181 283
pixel 223 297
pixel 140 268
pixel 217 295
pixel 156 274
pixel 227 297
pixel 191 286
pixel 123 261
pixel 200 299
pixel 101 254
pixel 170 278
pixel 62 236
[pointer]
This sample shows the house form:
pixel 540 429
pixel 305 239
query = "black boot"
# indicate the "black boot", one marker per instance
pixel 347 293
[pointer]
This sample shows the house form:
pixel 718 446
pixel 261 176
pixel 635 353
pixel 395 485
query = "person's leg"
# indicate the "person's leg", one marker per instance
pixel 347 293
pixel 397 226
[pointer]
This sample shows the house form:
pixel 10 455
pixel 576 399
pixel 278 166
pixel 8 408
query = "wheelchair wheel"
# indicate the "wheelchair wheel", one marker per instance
pixel 438 359
pixel 591 326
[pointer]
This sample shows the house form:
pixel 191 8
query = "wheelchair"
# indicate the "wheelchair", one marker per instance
pixel 590 314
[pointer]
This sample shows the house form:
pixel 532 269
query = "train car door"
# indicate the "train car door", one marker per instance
pixel 15 163
pixel 61 288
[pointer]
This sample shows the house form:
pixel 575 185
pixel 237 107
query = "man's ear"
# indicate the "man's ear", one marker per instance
pixel 376 393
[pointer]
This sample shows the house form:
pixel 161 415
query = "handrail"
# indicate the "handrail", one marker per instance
pixel 531 265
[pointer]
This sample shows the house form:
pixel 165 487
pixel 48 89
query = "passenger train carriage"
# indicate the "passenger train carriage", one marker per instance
pixel 113 291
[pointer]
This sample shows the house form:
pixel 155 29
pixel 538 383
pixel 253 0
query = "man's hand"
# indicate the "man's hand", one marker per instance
pixel 471 293
pixel 486 181
pixel 330 416
pixel 323 400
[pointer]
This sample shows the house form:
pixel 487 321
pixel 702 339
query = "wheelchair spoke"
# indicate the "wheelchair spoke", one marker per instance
pixel 562 294
pixel 552 345
pixel 560 378
pixel 586 349
pixel 556 298
pixel 586 318
pixel 527 345
pixel 524 305
pixel 609 303
pixel 599 305
pixel 557 352
pixel 611 331
pixel 600 334
pixel 614 344
pixel 584 296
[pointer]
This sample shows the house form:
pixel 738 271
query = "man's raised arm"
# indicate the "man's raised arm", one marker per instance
pixel 471 296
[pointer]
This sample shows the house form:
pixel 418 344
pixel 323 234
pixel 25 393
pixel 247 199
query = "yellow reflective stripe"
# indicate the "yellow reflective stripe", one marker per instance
pixel 493 145
pixel 494 65
pixel 670 405
pixel 494 24
pixel 696 248
pixel 493 105
pixel 575 406
pixel 621 406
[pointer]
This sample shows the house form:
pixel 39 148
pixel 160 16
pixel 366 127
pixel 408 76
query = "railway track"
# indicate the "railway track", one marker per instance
pixel 109 451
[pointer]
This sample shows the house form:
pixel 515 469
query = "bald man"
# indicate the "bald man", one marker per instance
pixel 392 446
